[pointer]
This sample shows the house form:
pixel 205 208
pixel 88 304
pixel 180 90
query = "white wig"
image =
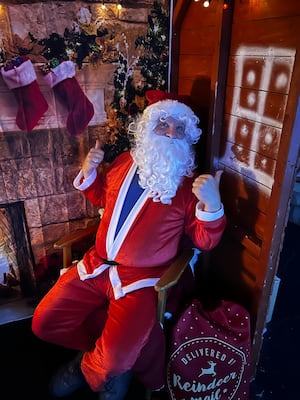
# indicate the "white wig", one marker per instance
pixel 173 108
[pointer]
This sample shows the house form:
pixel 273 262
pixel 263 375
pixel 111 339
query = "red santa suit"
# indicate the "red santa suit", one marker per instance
pixel 110 312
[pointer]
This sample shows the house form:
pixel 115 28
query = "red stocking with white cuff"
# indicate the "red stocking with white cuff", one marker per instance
pixel 65 86
pixel 31 102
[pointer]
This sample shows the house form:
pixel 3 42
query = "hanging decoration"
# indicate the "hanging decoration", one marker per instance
pixel 20 77
pixel 88 41
pixel 65 86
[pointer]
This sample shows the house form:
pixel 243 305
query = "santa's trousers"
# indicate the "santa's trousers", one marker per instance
pixel 116 335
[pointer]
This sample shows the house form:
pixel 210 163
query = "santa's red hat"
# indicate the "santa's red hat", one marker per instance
pixel 153 96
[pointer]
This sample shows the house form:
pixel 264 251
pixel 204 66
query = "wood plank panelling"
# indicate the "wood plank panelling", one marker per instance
pixel 244 189
pixel 241 216
pixel 249 163
pixel 240 233
pixel 254 130
pixel 233 274
pixel 251 10
pixel 200 84
pixel 261 68
pixel 198 41
pixel 199 16
pixel 193 65
pixel 281 33
pixel 254 65
pixel 268 137
pixel 257 105
pixel 237 262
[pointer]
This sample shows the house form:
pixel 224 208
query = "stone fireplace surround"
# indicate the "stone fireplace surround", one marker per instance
pixel 39 172
pixel 15 251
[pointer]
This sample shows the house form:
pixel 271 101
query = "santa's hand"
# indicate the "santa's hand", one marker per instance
pixel 206 189
pixel 93 159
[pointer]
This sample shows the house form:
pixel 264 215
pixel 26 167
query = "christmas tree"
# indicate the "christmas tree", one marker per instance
pixel 155 61
pixel 152 64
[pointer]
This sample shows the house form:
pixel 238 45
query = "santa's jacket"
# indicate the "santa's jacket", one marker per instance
pixel 151 235
pixel 110 312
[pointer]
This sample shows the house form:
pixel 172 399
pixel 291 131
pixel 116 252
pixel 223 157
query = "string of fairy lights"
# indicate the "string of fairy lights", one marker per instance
pixel 206 3
pixel 104 3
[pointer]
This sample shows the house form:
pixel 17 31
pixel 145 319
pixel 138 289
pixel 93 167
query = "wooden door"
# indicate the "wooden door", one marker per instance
pixel 249 53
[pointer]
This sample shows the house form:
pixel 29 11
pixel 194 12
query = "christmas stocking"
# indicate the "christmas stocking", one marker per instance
pixel 21 80
pixel 65 86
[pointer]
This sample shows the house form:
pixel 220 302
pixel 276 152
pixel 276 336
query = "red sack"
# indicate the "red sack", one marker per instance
pixel 210 353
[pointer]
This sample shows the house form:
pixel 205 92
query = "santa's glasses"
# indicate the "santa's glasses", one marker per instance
pixel 170 127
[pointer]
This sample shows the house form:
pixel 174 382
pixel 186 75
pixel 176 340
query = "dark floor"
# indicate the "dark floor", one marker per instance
pixel 27 363
pixel 278 374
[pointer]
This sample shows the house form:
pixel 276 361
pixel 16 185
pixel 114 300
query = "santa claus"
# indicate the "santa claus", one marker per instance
pixel 105 306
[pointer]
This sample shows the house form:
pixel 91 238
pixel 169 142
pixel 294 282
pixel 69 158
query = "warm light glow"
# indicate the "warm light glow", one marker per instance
pixel 119 6
pixel 225 5
pixel 103 6
pixel 206 3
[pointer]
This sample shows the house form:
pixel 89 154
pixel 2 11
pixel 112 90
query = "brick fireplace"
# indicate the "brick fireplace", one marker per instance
pixel 17 261
pixel 36 174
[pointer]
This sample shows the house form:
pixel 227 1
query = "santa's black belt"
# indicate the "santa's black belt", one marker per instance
pixel 110 262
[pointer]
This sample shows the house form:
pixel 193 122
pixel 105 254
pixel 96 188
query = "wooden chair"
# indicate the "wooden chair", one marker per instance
pixel 169 279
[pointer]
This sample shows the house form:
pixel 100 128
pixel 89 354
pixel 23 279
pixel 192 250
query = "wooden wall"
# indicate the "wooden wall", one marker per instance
pixel 196 36
pixel 254 71
pixel 260 142
pixel 195 57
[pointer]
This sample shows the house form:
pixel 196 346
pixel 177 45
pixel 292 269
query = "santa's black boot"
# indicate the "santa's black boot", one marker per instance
pixel 68 379
pixel 116 388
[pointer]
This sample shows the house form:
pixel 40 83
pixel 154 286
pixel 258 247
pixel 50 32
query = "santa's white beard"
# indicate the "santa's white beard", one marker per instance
pixel 162 163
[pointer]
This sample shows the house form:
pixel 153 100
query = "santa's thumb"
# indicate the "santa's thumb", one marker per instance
pixel 217 177
pixel 98 144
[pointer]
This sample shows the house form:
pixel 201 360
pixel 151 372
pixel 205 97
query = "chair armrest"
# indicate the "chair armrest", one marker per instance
pixel 66 242
pixel 76 236
pixel 169 279
pixel 175 270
